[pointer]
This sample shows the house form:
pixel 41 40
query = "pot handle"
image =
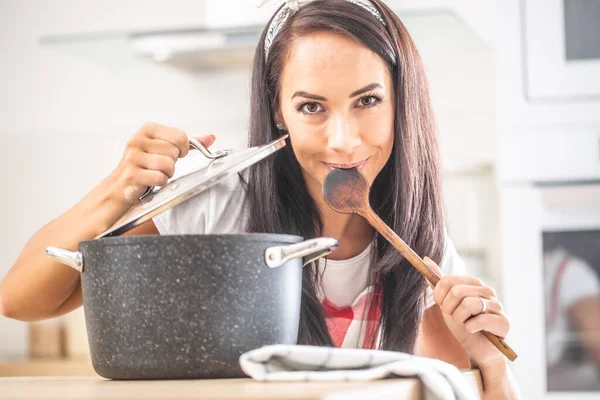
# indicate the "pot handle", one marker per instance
pixel 310 250
pixel 195 144
pixel 73 259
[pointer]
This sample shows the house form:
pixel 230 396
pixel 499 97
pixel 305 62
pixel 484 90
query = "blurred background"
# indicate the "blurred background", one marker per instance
pixel 516 91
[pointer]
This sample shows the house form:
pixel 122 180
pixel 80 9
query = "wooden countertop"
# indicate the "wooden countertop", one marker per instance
pixel 97 388
pixel 47 367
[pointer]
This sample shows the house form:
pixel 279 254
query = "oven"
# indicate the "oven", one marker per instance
pixel 550 257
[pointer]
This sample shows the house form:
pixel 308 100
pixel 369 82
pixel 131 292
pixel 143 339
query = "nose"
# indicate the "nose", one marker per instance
pixel 344 135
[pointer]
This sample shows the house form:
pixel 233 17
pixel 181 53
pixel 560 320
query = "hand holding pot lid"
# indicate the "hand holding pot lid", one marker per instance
pixel 149 159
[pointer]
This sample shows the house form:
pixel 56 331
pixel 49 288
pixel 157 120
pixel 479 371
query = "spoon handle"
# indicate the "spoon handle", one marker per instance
pixel 402 247
pixel 426 270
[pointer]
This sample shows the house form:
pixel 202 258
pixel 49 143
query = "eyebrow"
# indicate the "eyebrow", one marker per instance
pixel 367 88
pixel 302 93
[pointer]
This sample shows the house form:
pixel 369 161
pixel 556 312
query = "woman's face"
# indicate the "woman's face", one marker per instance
pixel 337 103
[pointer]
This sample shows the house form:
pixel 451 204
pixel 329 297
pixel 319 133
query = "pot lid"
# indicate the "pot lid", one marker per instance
pixel 223 164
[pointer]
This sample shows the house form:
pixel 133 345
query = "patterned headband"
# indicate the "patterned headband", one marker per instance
pixel 292 6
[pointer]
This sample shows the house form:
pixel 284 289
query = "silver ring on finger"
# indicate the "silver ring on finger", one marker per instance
pixel 483 305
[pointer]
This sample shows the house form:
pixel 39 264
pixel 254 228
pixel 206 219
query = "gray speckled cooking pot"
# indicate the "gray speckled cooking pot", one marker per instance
pixel 187 306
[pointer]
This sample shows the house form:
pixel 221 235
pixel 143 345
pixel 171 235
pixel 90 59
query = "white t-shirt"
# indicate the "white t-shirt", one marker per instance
pixel 567 279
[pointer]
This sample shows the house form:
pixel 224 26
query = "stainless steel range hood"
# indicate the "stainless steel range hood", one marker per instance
pixel 195 50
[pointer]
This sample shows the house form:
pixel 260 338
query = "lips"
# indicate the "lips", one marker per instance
pixel 359 165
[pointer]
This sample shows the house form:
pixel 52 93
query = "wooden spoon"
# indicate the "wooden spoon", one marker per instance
pixel 347 191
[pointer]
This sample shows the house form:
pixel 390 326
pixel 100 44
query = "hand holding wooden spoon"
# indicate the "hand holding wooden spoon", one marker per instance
pixel 347 191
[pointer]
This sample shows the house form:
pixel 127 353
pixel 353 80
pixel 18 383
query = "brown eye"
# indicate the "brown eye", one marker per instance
pixel 311 108
pixel 367 101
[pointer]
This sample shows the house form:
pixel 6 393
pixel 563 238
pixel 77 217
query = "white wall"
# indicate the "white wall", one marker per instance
pixel 66 109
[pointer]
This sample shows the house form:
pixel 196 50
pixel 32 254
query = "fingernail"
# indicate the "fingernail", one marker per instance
pixel 427 259
pixel 213 136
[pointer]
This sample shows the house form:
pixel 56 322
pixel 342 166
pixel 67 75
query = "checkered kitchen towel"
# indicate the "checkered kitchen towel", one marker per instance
pixel 312 363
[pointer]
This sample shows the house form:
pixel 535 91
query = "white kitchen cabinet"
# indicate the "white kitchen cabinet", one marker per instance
pixel 548 103
pixel 548 100
pixel 562 43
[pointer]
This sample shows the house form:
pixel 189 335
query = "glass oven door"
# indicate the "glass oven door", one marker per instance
pixel 571 279
pixel 550 243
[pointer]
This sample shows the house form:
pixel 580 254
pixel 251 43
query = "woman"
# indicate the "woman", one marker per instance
pixel 344 80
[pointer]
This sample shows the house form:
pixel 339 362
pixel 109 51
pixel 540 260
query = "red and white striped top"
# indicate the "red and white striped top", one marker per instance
pixel 352 305
pixel 356 325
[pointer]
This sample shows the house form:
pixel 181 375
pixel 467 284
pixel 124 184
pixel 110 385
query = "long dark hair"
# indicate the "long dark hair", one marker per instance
pixel 278 197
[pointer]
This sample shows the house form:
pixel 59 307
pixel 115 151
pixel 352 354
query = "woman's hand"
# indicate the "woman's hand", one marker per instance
pixel 149 160
pixel 469 307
